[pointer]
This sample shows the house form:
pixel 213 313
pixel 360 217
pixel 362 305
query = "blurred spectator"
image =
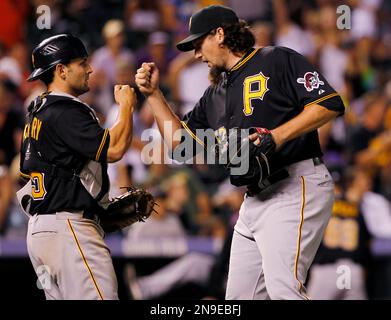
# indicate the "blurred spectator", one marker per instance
pixel 163 223
pixel 11 68
pixel 15 67
pixel 184 92
pixel 359 73
pixel 204 270
pixel 251 10
pixel 143 15
pixel 147 16
pixel 106 58
pixel 333 60
pixel 364 18
pixel 355 219
pixel 191 268
pixel 13 15
pixel 6 196
pixel 10 125
pixel 85 18
pixel 14 221
pixel 289 34
pixel 364 148
pixel 183 11
pixel 105 63
pixel 157 50
pixel 197 212
pixel 186 196
pixel 263 32
pixel 357 62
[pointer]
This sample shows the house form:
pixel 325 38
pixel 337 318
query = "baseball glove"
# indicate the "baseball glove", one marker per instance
pixel 256 154
pixel 133 206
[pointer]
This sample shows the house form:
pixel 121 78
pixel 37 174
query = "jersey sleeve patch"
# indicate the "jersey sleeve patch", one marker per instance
pixel 306 85
pixel 311 81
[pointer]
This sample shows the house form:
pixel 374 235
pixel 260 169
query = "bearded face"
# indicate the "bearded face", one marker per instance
pixel 215 74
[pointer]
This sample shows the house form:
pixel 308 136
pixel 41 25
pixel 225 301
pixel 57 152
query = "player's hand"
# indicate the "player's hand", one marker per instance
pixel 125 96
pixel 255 138
pixel 147 78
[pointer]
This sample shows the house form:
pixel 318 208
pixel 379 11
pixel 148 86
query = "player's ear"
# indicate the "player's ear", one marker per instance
pixel 220 35
pixel 60 71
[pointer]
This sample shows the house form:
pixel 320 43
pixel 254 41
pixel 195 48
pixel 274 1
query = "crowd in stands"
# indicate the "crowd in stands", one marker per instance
pixel 121 34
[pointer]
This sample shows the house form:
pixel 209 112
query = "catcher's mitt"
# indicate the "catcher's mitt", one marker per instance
pixel 133 206
pixel 256 155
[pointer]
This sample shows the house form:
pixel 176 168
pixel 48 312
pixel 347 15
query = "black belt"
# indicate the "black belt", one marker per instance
pixel 87 214
pixel 279 175
pixel 91 215
pixel 317 161
pixel 54 171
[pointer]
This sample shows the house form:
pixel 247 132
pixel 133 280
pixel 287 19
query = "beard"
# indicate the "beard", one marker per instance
pixel 216 75
pixel 79 90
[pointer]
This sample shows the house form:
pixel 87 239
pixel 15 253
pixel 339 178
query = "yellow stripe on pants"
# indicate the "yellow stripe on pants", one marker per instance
pixel 85 260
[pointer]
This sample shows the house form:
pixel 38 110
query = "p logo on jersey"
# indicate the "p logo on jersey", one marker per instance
pixel 310 81
pixel 254 87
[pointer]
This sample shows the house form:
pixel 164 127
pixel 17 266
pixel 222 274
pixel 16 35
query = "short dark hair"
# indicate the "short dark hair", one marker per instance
pixel 238 37
pixel 48 76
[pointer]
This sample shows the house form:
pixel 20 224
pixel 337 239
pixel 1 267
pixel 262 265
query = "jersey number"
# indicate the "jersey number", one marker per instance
pixel 37 185
pixel 254 87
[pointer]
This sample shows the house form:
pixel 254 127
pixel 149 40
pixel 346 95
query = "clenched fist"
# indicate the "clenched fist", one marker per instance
pixel 124 95
pixel 147 78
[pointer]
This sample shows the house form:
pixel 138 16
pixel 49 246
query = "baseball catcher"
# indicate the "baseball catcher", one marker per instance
pixel 133 206
pixel 64 155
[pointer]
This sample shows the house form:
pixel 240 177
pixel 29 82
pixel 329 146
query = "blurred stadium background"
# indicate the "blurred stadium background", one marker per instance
pixel 198 206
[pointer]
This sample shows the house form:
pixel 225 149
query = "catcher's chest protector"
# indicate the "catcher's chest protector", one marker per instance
pixel 62 140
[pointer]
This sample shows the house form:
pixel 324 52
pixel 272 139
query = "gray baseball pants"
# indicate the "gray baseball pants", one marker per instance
pixel 70 258
pixel 278 233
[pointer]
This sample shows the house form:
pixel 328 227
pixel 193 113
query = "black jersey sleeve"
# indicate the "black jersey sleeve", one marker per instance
pixel 304 84
pixel 195 137
pixel 196 119
pixel 80 131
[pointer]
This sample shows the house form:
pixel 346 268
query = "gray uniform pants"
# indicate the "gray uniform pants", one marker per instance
pixel 278 233
pixel 70 257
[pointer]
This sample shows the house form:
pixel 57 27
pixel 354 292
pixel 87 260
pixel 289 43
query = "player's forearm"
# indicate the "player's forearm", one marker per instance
pixel 167 121
pixel 120 134
pixel 311 118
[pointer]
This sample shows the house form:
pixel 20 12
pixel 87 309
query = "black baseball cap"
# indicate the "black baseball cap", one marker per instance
pixel 205 20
